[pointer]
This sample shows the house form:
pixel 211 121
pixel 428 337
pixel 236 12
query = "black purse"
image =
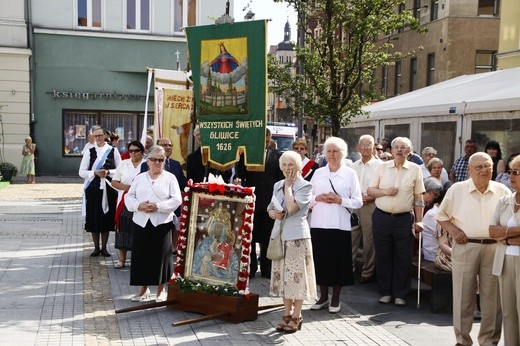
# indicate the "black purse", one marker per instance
pixel 354 219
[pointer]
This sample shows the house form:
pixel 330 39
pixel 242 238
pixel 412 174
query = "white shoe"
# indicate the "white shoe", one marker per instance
pixel 334 309
pixel 162 297
pixel 400 302
pixel 320 306
pixel 145 297
pixel 385 299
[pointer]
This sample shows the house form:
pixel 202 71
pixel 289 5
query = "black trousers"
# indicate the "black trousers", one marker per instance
pixel 393 243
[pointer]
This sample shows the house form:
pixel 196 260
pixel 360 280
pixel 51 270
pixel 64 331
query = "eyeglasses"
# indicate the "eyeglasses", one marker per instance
pixel 166 145
pixel 431 154
pixel 155 159
pixel 481 167
pixel 133 151
pixel 100 135
pixel 299 148
pixel 379 149
pixel 515 172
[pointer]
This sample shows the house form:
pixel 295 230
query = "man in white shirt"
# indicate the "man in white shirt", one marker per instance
pixel 465 213
pixel 365 168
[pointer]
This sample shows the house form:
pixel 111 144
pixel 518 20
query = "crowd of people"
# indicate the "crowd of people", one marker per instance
pixel 468 221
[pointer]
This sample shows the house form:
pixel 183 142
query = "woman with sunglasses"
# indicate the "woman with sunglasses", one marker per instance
pixel 123 177
pixel 153 197
pixel 505 229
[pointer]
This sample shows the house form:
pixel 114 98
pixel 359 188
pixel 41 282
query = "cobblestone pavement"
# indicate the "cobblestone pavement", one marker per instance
pixel 53 293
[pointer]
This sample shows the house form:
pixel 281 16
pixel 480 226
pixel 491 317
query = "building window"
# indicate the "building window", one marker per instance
pixel 401 9
pixel 384 84
pixel 138 15
pixel 89 13
pixel 78 123
pixel 397 79
pixel 488 8
pixel 485 61
pixel 434 10
pixel 413 74
pixel 417 9
pixel 184 14
pixel 430 70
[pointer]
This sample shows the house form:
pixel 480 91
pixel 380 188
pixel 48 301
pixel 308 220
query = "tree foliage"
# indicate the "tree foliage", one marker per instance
pixel 339 56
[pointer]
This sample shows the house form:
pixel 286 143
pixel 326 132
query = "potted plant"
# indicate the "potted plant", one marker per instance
pixel 8 170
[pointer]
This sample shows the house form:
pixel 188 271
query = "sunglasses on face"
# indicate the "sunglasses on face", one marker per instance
pixel 515 172
pixel 155 159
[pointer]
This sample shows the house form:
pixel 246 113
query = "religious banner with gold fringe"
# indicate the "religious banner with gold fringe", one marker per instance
pixel 173 108
pixel 229 65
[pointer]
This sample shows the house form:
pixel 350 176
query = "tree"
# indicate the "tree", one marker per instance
pixel 340 55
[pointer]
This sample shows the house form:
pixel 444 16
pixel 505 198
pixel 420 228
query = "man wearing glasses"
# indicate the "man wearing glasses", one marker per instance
pixel 465 213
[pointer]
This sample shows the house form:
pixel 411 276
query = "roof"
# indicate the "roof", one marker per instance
pixel 479 93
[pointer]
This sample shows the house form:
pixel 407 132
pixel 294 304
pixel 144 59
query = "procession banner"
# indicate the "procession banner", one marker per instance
pixel 229 65
pixel 173 107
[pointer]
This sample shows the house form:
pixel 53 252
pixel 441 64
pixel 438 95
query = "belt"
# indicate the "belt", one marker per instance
pixel 482 241
pixel 394 214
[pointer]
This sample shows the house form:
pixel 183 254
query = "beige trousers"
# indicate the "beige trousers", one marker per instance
pixel 509 283
pixel 468 261
pixel 365 230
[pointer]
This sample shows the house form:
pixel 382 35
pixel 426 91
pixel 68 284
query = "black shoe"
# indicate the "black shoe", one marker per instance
pixel 251 275
pixel 266 275
pixel 106 253
pixel 96 253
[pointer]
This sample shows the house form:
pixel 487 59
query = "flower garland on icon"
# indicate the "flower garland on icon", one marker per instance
pixel 244 236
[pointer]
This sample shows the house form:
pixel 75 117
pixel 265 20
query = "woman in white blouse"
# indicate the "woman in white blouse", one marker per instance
pixel 123 177
pixel 153 197
pixel 336 192
pixel 505 229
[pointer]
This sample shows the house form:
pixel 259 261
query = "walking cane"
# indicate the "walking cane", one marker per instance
pixel 419 273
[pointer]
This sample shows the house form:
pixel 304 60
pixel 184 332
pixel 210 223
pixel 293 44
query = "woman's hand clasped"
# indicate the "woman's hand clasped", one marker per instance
pixel 329 198
pixel 147 207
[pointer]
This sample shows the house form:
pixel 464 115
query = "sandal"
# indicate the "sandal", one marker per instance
pixel 119 265
pixel 297 325
pixel 280 327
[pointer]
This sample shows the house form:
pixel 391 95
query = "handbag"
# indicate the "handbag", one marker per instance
pixel 275 247
pixel 354 219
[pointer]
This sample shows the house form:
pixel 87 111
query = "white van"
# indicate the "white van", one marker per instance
pixel 283 134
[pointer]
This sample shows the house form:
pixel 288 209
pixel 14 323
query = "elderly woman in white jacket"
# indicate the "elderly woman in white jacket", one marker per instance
pixel 153 197
pixel 292 277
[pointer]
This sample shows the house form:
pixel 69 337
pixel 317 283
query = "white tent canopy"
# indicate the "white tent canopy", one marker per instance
pixel 479 93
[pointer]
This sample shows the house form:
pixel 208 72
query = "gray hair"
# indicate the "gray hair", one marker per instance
pixel 434 161
pixel 405 140
pixel 427 149
pixel 367 137
pixel 432 184
pixel 290 155
pixel 156 149
pixel 340 144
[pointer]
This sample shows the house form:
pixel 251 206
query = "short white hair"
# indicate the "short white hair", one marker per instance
pixel 291 155
pixel 404 140
pixel 340 144
pixel 366 137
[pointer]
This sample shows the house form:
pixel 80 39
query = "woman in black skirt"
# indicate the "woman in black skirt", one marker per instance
pixel 123 177
pixel 99 201
pixel 153 197
pixel 336 192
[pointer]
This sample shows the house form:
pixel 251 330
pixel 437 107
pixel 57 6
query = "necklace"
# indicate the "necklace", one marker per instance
pixel 517 204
